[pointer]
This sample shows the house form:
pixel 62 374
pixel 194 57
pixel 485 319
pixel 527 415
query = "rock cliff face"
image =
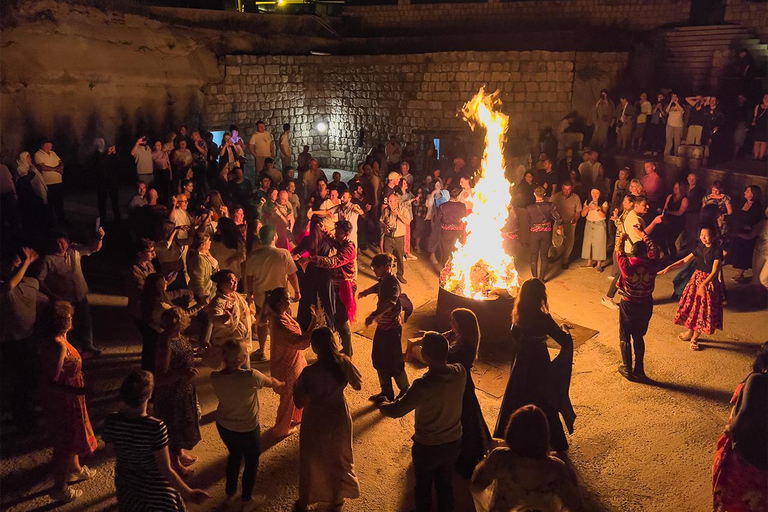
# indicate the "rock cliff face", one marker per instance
pixel 73 72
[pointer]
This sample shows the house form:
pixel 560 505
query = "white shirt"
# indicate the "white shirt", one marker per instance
pixel 268 268
pixel 262 143
pixel 50 160
pixel 180 218
pixel 393 152
pixel 143 159
pixel 285 145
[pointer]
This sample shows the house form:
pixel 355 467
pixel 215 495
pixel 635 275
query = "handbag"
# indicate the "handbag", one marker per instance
pixel 558 237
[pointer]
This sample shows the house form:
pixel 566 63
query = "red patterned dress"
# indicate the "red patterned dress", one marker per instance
pixel 702 313
pixel 69 424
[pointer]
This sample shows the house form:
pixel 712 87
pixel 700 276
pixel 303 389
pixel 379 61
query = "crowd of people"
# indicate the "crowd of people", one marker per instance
pixel 220 259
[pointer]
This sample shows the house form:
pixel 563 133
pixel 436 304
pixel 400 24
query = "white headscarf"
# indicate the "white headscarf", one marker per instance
pixel 24 167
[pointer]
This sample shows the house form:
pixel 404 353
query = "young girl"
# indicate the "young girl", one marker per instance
pixel 237 417
pixel 701 306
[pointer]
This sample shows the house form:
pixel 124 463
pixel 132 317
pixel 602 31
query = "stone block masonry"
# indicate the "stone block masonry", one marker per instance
pixel 415 97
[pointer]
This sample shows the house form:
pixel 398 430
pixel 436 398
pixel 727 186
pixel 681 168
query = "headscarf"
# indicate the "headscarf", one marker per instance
pixel 23 167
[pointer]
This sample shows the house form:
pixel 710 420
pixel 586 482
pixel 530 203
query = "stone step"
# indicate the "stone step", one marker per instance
pixel 705 28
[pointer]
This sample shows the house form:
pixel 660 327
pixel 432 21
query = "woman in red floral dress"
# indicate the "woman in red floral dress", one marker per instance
pixel 70 427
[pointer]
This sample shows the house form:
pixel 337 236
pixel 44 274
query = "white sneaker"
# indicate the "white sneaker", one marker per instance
pixel 85 473
pixel 609 303
pixel 66 495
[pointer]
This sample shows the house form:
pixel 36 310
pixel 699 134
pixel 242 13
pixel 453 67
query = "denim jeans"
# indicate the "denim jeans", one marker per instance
pixel 241 446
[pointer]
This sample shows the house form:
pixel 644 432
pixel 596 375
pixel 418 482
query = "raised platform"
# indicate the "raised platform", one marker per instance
pixel 736 175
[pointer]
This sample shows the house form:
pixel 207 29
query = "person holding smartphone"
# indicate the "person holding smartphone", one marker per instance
pixel 142 156
pixel 675 123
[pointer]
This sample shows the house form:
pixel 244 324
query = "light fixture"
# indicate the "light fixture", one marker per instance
pixel 322 127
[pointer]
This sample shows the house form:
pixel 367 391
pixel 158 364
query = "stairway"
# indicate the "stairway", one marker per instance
pixel 694 56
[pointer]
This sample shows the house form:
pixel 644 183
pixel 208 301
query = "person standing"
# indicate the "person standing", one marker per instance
pixel 287 357
pixel 638 279
pixel 142 157
pixel 175 398
pixel 326 462
pixel 675 125
pixel 568 206
pixel 533 378
pixel 437 399
pixel 144 477
pixel 464 339
pixel 595 237
pixel 643 109
pixel 701 306
pixel 625 120
pixel 52 168
pixel 543 219
pixel 107 178
pixel 393 151
pixel 69 424
pixel 656 126
pixel 237 419
pixel 695 197
pixel 19 298
pixel 653 188
pixel 760 129
pixel 603 114
pixel 393 222
pixel 697 118
pixel 547 178
pixel 387 353
pixel 450 223
pixel 285 146
pixel 61 279
pixel 740 465
pixel 343 265
pixel 261 146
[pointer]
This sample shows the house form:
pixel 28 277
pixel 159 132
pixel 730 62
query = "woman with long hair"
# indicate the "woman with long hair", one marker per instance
pixel 144 476
pixel 527 476
pixel 230 317
pixel 533 378
pixel 464 339
pixel 228 247
pixel 760 129
pixel 701 306
pixel 175 397
pixel 745 221
pixel 287 356
pixel 723 203
pixel 740 465
pixel 70 426
pixel 674 218
pixel 201 265
pixel 326 463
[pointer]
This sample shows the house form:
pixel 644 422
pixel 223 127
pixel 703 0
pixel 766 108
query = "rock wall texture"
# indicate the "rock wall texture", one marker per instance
pixel 749 14
pixel 416 97
pixel 637 14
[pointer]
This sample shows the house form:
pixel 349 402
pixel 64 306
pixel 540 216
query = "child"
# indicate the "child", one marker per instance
pixel 387 352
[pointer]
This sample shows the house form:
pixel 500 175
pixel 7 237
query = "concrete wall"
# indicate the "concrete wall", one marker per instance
pixel 414 96
pixel 749 14
pixel 638 14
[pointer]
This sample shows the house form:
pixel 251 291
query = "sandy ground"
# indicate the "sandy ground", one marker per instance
pixel 635 447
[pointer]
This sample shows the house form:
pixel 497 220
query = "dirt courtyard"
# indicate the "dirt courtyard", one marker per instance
pixel 636 447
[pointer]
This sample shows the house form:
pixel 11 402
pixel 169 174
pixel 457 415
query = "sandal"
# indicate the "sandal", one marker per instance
pixel 187 460
pixel 685 336
pixel 695 346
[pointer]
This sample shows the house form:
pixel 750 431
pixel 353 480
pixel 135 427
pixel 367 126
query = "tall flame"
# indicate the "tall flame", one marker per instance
pixel 480 267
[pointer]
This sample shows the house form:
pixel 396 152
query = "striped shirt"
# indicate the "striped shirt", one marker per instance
pixel 139 483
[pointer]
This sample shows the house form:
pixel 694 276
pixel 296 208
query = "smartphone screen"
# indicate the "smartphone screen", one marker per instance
pixel 98 224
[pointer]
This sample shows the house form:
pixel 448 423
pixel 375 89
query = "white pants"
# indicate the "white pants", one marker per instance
pixel 760 266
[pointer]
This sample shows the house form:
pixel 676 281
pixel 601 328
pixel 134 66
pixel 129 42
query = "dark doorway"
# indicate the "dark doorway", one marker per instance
pixel 707 12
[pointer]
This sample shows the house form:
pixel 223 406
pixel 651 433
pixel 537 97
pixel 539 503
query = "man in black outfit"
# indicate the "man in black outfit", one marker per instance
pixel 547 178
pixel 543 218
pixel 449 219
pixel 566 165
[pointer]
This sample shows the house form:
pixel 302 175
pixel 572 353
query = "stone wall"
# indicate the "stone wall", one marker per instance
pixel 637 14
pixel 416 96
pixel 749 14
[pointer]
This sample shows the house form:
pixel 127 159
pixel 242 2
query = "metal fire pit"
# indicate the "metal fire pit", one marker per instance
pixel 493 315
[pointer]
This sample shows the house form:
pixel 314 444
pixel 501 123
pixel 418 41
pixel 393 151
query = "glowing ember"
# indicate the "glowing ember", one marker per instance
pixel 480 268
